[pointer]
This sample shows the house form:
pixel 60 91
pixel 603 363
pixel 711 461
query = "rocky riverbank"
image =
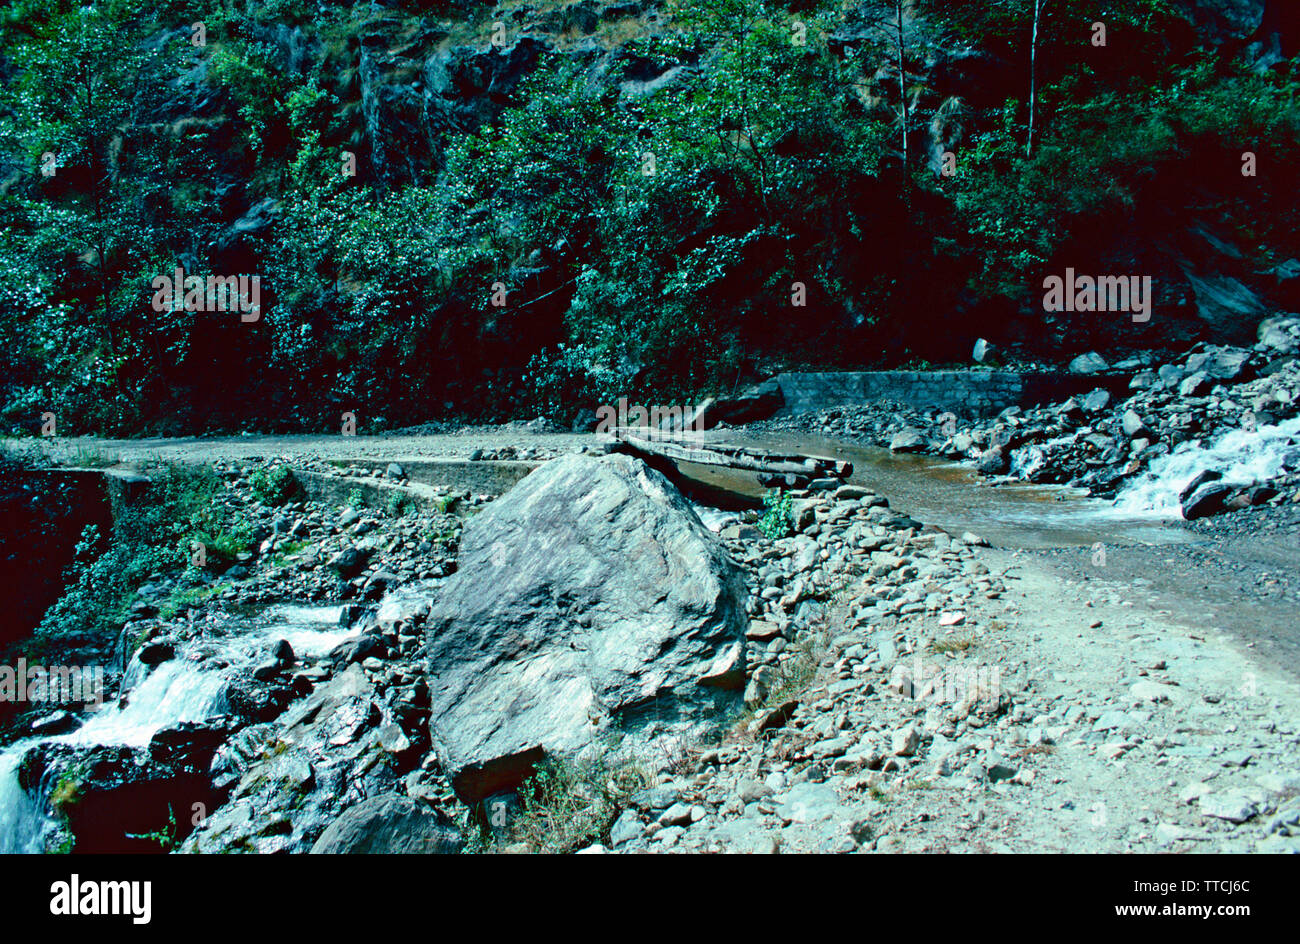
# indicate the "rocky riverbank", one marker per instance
pixel 1212 432
pixel 865 683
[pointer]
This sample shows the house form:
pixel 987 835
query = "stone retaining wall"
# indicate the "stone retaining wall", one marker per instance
pixel 968 393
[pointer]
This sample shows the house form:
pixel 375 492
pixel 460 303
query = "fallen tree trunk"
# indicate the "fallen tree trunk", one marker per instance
pixel 732 457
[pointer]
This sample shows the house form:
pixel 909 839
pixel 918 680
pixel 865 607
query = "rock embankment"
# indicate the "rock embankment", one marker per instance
pixel 1174 425
pixel 860 682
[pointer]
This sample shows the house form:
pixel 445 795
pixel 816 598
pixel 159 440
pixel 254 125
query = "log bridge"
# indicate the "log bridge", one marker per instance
pixel 774 470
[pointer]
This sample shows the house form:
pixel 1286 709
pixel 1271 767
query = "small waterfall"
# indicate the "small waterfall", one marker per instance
pixel 22 824
pixel 177 691
pixel 1243 457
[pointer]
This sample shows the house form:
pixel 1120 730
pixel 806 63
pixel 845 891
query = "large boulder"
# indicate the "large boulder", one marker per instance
pixel 589 599
pixel 1206 501
pixel 1225 303
pixel 389 824
pixel 750 406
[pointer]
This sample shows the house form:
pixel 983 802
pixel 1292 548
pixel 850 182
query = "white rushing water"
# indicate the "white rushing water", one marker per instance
pixel 22 824
pixel 1027 460
pixel 177 691
pixel 1243 457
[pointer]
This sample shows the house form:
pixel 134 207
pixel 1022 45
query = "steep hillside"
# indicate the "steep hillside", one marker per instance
pixel 490 210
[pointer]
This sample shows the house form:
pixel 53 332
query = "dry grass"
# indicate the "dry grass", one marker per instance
pixel 952 644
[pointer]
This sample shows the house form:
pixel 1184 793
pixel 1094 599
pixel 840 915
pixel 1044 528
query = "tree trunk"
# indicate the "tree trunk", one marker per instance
pixel 902 82
pixel 1033 94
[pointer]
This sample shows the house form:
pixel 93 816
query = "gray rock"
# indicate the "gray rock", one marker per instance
pixel 1095 401
pixel 58 722
pixel 156 653
pixel 1194 385
pixel 1133 425
pixel 1226 304
pixel 1220 363
pixel 1090 363
pixel 626 828
pixel 1231 806
pixel 809 803
pixel 267 671
pixel 282 652
pixel 757 403
pixel 389 824
pixel 995 461
pixel 679 814
pixel 907 440
pixel 1280 334
pixel 350 561
pixel 905 742
pixel 590 592
pixel 1207 475
pixel 1171 375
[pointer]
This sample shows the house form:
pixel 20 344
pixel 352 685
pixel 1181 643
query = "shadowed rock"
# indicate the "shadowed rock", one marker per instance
pixel 389 824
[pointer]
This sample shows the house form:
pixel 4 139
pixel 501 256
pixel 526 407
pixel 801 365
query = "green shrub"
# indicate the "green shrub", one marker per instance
pixel 273 485
pixel 567 806
pixel 777 520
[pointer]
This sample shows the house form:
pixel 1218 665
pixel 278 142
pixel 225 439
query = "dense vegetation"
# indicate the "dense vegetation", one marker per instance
pixel 151 537
pixel 647 241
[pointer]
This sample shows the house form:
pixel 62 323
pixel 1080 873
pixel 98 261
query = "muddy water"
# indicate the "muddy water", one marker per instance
pixel 953 497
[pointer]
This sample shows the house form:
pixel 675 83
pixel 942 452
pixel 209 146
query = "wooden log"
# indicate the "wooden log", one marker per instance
pixel 733 457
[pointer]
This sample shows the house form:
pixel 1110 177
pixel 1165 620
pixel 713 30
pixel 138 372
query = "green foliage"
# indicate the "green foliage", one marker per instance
pixel 165 836
pixel 569 377
pixel 648 234
pixel 273 485
pixel 776 520
pixel 694 258
pixel 66 794
pixel 182 598
pixel 74 258
pixel 1101 152
pixel 152 535
pixel 398 504
pixel 569 805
